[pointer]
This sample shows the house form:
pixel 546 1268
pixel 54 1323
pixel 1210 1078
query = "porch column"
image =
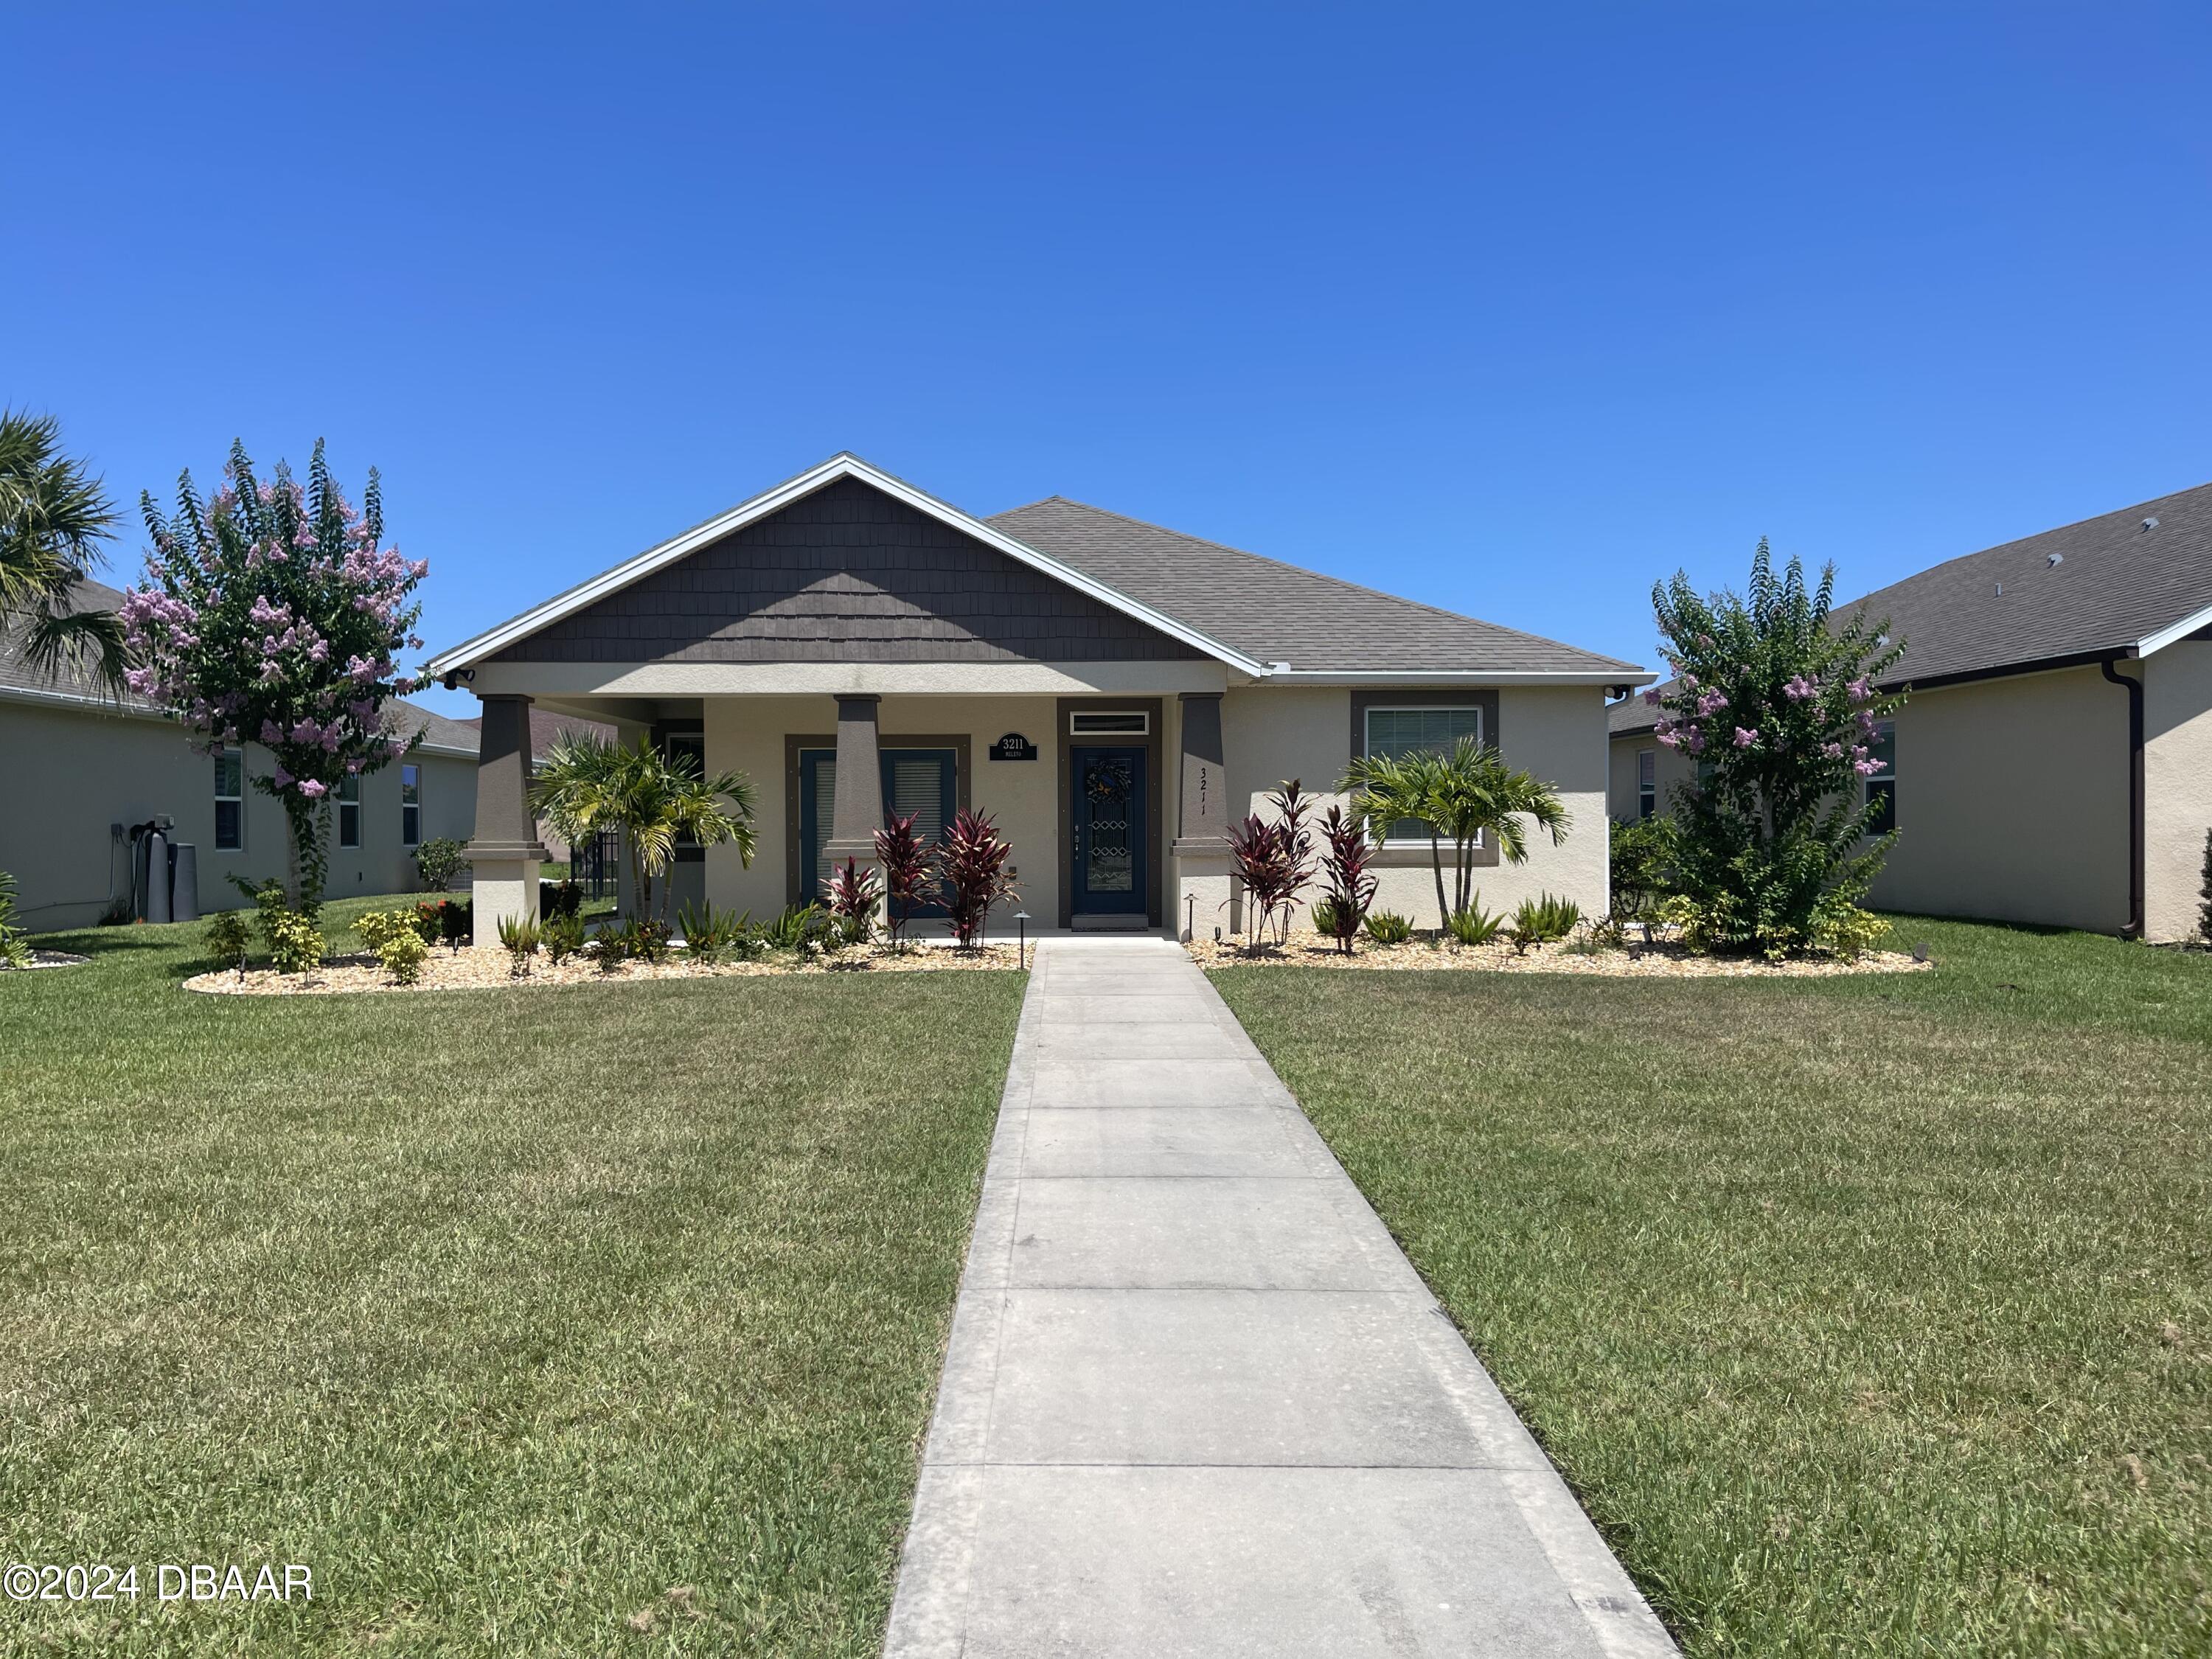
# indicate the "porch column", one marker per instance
pixel 1200 853
pixel 856 810
pixel 505 852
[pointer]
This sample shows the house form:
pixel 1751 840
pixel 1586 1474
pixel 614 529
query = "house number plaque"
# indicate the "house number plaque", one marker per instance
pixel 1014 747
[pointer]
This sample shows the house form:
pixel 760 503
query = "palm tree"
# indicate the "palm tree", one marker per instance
pixel 53 517
pixel 589 783
pixel 1459 797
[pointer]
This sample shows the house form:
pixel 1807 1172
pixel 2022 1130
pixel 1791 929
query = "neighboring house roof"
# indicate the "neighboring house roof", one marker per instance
pixel 545 726
pixel 1268 620
pixel 79 689
pixel 1278 613
pixel 2123 584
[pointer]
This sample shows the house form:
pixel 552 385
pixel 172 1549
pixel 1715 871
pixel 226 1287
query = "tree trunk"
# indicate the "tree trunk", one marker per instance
pixel 1437 866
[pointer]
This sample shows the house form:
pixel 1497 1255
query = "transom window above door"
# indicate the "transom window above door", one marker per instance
pixel 1108 723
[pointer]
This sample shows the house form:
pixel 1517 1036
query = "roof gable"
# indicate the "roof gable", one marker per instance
pixel 838 470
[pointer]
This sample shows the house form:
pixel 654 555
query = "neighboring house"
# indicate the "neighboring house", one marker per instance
pixel 2054 762
pixel 1114 695
pixel 79 766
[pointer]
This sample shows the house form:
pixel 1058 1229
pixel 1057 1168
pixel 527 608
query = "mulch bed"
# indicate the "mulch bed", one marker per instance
pixel 46 959
pixel 489 967
pixel 1667 959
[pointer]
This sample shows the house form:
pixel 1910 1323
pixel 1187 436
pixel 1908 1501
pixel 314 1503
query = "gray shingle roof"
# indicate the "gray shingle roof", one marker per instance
pixel 438 731
pixel 1276 612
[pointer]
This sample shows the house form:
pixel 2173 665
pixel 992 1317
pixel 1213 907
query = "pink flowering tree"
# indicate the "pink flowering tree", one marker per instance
pixel 271 614
pixel 1776 700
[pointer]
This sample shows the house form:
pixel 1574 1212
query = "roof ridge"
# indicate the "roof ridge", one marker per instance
pixel 1323 576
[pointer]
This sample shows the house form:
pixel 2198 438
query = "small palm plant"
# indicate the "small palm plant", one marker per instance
pixel 1462 798
pixel 653 797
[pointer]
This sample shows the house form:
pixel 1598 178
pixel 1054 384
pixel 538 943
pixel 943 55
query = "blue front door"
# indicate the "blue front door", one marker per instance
pixel 1110 878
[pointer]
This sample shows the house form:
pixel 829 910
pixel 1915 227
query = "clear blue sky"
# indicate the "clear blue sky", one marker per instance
pixel 1508 309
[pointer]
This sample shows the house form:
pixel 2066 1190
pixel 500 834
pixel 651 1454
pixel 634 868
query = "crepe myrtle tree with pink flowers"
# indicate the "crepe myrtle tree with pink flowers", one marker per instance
pixel 272 614
pixel 1775 698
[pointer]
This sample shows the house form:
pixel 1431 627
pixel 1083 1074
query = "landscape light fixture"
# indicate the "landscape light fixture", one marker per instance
pixel 1021 938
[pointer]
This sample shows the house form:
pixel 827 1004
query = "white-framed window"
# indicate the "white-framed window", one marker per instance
pixel 349 810
pixel 230 800
pixel 410 805
pixel 1108 723
pixel 1647 782
pixel 1414 728
pixel 1883 786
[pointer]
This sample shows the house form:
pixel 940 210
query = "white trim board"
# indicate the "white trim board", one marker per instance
pixel 839 466
pixel 2180 630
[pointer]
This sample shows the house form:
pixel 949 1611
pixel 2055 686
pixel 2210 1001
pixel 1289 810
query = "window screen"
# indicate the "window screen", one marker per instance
pixel 1397 732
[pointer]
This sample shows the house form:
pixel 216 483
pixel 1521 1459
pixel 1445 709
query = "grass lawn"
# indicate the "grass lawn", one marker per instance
pixel 1868 1316
pixel 525 1318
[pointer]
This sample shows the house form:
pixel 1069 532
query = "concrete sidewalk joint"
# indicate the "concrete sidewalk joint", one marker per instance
pixel 1196 1401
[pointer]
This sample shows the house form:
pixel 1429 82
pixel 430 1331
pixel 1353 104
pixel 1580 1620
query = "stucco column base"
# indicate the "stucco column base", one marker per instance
pixel 1204 888
pixel 505 888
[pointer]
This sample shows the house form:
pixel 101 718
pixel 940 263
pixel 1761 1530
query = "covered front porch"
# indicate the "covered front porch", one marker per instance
pixel 1115 801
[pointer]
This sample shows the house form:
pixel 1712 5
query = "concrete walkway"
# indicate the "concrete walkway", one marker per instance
pixel 1197 1402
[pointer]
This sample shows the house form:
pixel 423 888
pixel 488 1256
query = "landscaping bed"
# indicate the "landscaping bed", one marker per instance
pixel 480 968
pixel 1666 959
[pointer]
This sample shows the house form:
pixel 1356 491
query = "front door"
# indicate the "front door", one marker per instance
pixel 1110 878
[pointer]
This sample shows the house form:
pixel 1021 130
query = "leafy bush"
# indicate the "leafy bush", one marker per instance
pixel 646 939
pixel 14 941
pixel 1272 858
pixel 1848 932
pixel 564 936
pixel 907 882
pixel 1642 858
pixel 1778 700
pixel 379 925
pixel 1344 867
pixel 800 929
pixel 227 941
pixel 611 948
pixel 853 895
pixel 295 944
pixel 427 922
pixel 559 898
pixel 708 933
pixel 1388 928
pixel 437 862
pixel 971 860
pixel 402 956
pixel 519 938
pixel 1474 925
pixel 1543 920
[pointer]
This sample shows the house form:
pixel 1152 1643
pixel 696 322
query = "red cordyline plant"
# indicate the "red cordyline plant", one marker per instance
pixel 905 862
pixel 971 860
pixel 1273 859
pixel 271 614
pixel 1344 867
pixel 851 893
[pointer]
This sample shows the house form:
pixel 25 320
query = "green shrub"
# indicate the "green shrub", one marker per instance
pixel 518 937
pixel 295 946
pixel 710 934
pixel 1388 928
pixel 611 948
pixel 1472 924
pixel 559 898
pixel 1543 920
pixel 14 941
pixel 378 926
pixel 227 941
pixel 1642 859
pixel 402 955
pixel 427 923
pixel 564 936
pixel 1847 931
pixel 803 929
pixel 436 861
pixel 1324 914
pixel 457 922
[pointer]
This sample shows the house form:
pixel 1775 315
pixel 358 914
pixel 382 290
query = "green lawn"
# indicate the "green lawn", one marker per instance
pixel 1868 1316
pixel 521 1316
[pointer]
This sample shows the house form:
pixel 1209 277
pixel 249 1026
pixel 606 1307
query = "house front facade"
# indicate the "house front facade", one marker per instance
pixel 1114 695
pixel 2053 762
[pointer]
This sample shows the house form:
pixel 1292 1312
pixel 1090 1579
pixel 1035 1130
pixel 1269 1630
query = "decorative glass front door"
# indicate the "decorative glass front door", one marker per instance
pixel 1110 878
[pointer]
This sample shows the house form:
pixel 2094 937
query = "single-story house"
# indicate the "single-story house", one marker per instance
pixel 2053 764
pixel 83 769
pixel 1114 695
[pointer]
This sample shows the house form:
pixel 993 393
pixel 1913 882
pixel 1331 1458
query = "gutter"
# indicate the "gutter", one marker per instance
pixel 2135 839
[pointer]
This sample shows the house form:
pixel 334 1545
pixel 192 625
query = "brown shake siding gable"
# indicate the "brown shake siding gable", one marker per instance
pixel 846 574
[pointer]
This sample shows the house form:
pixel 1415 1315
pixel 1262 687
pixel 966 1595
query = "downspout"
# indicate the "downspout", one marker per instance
pixel 2136 860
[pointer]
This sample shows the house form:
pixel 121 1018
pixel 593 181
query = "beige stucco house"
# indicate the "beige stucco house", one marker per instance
pixel 1114 695
pixel 2053 764
pixel 81 769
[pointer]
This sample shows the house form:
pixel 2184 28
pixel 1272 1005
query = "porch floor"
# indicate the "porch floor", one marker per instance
pixel 1197 1401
